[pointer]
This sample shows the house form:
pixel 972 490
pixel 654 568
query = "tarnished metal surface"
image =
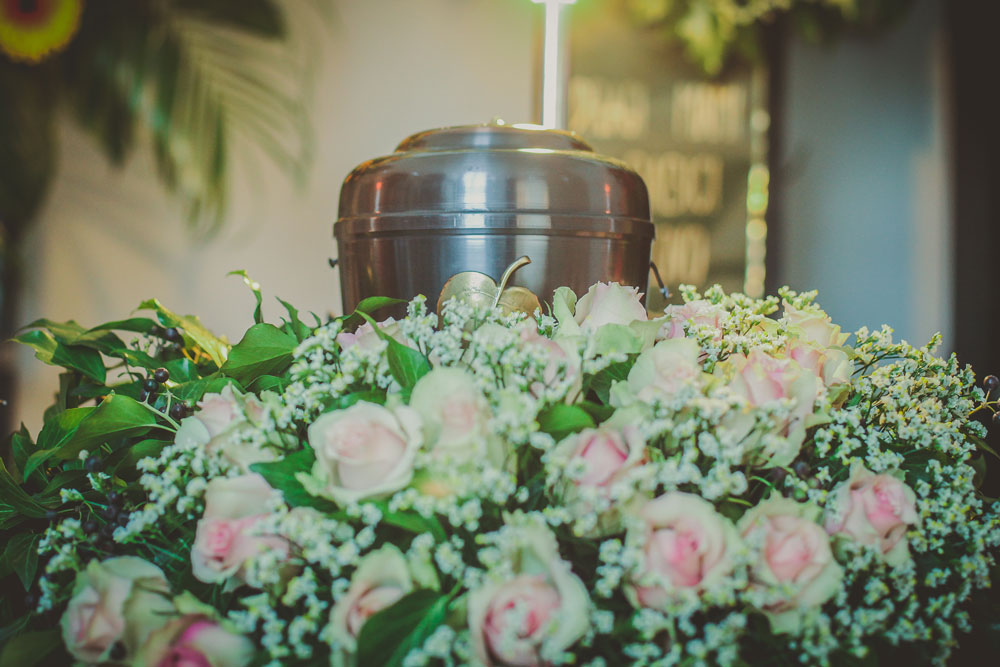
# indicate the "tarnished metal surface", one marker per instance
pixel 475 198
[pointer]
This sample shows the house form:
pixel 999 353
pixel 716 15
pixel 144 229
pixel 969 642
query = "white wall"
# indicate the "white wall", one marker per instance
pixel 107 238
pixel 867 216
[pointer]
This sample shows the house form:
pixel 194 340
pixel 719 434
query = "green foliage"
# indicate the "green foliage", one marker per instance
pixel 264 350
pixel 561 420
pixel 30 648
pixel 390 634
pixel 406 364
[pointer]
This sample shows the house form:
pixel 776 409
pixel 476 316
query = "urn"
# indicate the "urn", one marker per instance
pixel 475 198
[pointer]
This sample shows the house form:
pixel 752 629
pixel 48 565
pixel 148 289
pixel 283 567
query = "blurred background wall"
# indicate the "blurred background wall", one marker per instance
pixel 861 187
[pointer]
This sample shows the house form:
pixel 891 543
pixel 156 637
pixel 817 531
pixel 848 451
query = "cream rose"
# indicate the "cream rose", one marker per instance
pixel 118 599
pixel 534 612
pixel 455 417
pixel 666 370
pixel 193 637
pixel 366 337
pixel 814 326
pixel 364 451
pixel 381 579
pixel 762 379
pixel 220 425
pixel 685 544
pixel 680 316
pixel 794 562
pixel 224 538
pixel 609 303
pixel 875 510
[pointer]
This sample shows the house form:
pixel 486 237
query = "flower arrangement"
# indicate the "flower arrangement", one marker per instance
pixel 729 482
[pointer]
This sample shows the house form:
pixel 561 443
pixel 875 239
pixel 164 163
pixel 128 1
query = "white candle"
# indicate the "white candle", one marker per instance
pixel 553 90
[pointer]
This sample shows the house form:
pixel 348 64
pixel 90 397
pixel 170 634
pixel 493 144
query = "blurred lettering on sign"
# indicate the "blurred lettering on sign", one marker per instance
pixel 698 142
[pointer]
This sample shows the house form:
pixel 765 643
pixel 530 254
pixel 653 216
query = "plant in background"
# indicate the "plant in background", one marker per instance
pixel 721 484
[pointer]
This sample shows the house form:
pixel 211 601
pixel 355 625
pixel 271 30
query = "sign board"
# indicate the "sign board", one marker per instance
pixel 699 143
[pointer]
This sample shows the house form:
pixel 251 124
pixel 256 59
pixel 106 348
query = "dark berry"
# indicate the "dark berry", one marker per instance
pixel 115 498
pixel 157 331
pixel 118 651
pixel 90 527
pixel 172 334
pixel 801 469
pixel 107 530
pixel 991 383
pixel 161 375
pixel 778 475
pixel 110 512
pixel 151 385
pixel 996 418
pixel 178 411
pixel 92 464
pixel 143 395
pixel 51 515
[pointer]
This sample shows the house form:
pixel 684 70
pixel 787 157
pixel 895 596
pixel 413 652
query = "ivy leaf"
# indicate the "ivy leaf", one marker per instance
pixel 387 637
pixel 264 350
pixel 600 383
pixel 16 498
pixel 367 307
pixel 295 326
pixel 116 417
pixel 195 389
pixel 192 330
pixel 48 350
pixel 21 557
pixel 406 364
pixel 561 420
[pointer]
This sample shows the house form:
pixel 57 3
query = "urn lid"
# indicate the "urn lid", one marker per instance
pixel 494 168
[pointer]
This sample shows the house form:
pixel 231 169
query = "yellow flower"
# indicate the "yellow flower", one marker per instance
pixel 32 30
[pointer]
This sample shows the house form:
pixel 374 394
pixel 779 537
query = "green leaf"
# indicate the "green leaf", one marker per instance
pixel 255 288
pixel 406 364
pixel 281 476
pixel 21 447
pixel 136 324
pixel 387 637
pixel 193 331
pixel 48 350
pixel 367 307
pixel 116 417
pixel 600 383
pixel 17 498
pixel 21 557
pixel 295 326
pixel 194 390
pixel 268 383
pixel 561 420
pixel 128 457
pixel 30 648
pixel 182 370
pixel 412 522
pixel 264 350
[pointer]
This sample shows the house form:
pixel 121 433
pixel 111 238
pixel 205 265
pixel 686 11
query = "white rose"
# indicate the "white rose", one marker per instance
pixel 680 316
pixel 367 338
pixel 534 612
pixel 455 416
pixel 364 451
pixel 686 544
pixel 609 303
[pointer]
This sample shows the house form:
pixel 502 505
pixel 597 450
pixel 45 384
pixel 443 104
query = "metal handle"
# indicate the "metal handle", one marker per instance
pixel 659 281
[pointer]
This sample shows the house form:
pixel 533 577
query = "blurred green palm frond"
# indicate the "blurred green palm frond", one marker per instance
pixel 192 77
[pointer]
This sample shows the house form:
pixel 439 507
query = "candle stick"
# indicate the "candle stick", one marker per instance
pixel 553 90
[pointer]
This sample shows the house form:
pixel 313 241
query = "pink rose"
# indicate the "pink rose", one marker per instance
pixel 814 326
pixel 665 370
pixel 681 316
pixel 794 561
pixel 873 509
pixel 564 362
pixel 193 638
pixel 224 538
pixel 381 579
pixel 762 379
pixel 532 613
pixel 220 425
pixel 609 303
pixel 119 599
pixel 364 451
pixel 367 339
pixel 686 544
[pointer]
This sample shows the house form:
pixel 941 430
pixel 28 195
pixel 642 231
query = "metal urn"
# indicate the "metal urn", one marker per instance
pixel 476 198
